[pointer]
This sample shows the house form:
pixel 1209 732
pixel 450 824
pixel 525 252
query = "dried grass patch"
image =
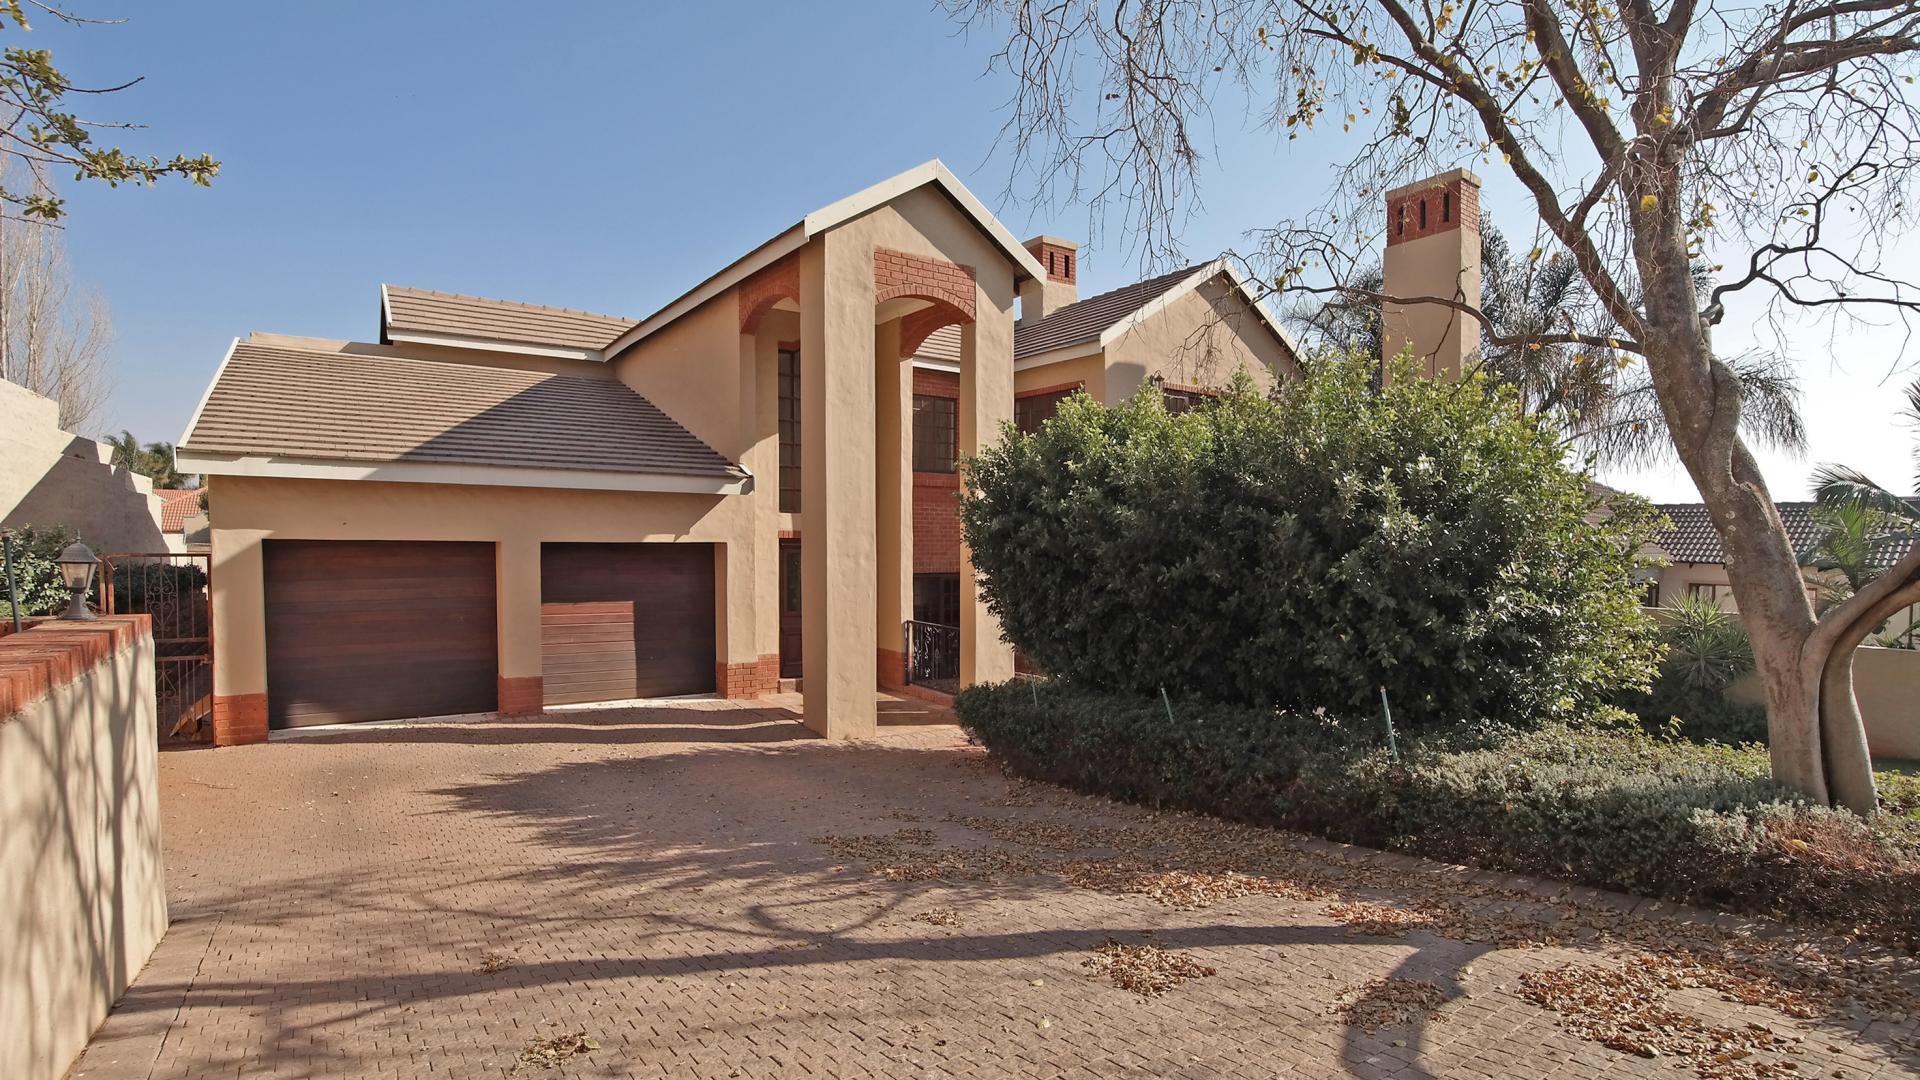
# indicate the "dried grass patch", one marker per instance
pixel 1147 970
pixel 1390 1002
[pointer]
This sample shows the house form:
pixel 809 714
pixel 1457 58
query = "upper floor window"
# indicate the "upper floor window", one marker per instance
pixel 1179 401
pixel 1031 411
pixel 789 431
pixel 936 433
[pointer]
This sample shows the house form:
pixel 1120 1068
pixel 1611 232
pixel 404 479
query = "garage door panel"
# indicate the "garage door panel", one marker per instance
pixel 626 620
pixel 375 630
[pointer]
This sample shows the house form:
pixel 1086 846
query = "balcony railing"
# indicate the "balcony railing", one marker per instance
pixel 933 656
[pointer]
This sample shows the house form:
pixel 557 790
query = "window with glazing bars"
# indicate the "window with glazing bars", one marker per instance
pixel 936 433
pixel 789 431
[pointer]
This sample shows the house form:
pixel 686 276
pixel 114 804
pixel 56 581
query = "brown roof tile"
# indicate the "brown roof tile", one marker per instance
pixel 497 320
pixel 1692 539
pixel 1086 320
pixel 384 406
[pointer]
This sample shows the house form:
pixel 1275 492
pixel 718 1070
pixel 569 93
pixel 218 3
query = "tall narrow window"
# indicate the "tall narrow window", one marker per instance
pixel 936 433
pixel 1400 217
pixel 1423 214
pixel 1446 207
pixel 789 431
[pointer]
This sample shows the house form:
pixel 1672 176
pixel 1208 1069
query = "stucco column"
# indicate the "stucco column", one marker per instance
pixel 239 637
pixel 893 499
pixel 516 602
pixel 837 594
pixel 986 401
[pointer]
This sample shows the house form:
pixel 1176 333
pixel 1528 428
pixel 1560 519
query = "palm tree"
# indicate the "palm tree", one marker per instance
pixel 1602 398
pixel 1838 485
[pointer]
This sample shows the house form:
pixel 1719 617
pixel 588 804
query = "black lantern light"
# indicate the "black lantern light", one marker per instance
pixel 77 564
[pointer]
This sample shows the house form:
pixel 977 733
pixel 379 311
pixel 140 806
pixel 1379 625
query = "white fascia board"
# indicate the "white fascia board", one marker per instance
pixel 936 365
pixel 457 341
pixel 194 420
pixel 427 472
pixel 1055 356
pixel 827 217
pixel 386 309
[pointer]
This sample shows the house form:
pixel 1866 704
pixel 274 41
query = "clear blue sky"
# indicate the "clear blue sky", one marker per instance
pixel 598 156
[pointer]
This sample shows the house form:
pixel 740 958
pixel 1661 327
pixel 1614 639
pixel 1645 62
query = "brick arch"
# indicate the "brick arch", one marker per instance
pixel 917 326
pixel 758 294
pixel 898 275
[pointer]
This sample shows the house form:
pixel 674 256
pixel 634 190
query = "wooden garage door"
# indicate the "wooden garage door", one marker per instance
pixel 378 629
pixel 626 620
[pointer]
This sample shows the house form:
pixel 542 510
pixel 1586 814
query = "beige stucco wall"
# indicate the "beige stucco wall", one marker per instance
pixel 1089 371
pixel 82 891
pixel 1676 581
pixel 1445 264
pixel 1886 686
pixel 250 510
pixel 54 477
pixel 1199 339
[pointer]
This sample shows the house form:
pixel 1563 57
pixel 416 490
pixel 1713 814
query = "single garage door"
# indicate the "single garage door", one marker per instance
pixel 626 621
pixel 378 629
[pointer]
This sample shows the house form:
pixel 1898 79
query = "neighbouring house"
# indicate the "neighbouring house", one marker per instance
pixel 182 521
pixel 1697 565
pixel 53 477
pixel 501 506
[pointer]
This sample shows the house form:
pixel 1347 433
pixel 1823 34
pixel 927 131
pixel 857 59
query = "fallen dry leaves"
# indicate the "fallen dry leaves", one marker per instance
pixel 939 917
pixel 1390 1002
pixel 1378 920
pixel 555 1050
pixel 1147 970
pixel 1625 1009
pixel 494 961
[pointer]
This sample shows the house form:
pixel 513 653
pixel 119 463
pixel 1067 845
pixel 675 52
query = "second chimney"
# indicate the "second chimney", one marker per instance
pixel 1433 249
pixel 1061 261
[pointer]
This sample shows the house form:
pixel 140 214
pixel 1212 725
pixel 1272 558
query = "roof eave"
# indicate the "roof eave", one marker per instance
pixel 738 481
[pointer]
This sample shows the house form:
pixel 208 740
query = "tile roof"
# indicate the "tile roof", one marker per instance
pixel 1692 538
pixel 432 312
pixel 383 406
pixel 942 346
pixel 1086 320
pixel 176 506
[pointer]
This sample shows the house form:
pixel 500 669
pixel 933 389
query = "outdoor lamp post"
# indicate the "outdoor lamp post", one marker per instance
pixel 77 564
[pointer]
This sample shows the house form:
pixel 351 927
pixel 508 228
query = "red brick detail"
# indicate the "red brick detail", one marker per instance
pixel 1062 262
pixel 789 534
pixel 1452 205
pixel 926 694
pixel 789 346
pixel 755 678
pixel 521 695
pixel 54 653
pixel 1189 388
pixel 897 274
pixel 1054 389
pixel 919 325
pixel 890 669
pixel 936 383
pixel 936 523
pixel 759 293
pixel 239 719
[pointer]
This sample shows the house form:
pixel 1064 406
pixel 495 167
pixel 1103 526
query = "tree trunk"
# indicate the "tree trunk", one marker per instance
pixel 1829 651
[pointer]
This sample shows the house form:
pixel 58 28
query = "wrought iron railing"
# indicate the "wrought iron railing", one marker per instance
pixel 933 656
pixel 174 589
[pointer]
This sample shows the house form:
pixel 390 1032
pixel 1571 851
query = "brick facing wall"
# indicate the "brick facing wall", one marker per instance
pixel 524 695
pixel 897 274
pixel 936 514
pixel 239 719
pixel 759 293
pixel 936 383
pixel 1466 211
pixel 755 678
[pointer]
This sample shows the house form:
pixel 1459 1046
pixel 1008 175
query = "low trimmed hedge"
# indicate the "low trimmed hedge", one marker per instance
pixel 1613 807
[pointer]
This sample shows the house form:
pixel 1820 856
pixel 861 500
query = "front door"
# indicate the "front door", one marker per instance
pixel 789 609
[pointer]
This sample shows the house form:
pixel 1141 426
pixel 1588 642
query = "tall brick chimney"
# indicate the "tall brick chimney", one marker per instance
pixel 1433 249
pixel 1061 258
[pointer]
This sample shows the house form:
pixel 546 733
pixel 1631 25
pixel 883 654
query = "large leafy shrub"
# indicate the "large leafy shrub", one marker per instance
pixel 1611 806
pixel 1307 549
pixel 36 571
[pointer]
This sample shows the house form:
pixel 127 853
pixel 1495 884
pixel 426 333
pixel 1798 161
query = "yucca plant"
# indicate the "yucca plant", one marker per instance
pixel 1707 648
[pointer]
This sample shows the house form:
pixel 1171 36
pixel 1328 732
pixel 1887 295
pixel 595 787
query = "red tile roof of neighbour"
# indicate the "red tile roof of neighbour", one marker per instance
pixel 384 406
pixel 454 315
pixel 176 506
pixel 1085 320
pixel 1692 539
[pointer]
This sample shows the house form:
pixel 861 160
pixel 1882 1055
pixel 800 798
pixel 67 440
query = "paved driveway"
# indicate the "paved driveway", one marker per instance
pixel 648 893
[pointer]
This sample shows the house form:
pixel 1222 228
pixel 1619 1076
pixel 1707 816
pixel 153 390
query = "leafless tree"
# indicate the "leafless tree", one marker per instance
pixel 1778 138
pixel 53 338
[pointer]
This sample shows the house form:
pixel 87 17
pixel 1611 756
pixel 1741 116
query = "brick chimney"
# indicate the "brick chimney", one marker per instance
pixel 1433 249
pixel 1061 259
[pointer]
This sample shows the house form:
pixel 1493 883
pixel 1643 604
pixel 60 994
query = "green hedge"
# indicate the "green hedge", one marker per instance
pixel 1612 807
pixel 1306 549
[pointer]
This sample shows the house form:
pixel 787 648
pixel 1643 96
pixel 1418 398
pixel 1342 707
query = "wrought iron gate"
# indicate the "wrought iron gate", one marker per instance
pixel 176 589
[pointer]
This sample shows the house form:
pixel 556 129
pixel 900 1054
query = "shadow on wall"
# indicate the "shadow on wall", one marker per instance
pixel 56 478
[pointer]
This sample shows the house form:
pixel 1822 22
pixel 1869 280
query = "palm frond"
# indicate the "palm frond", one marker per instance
pixel 1840 486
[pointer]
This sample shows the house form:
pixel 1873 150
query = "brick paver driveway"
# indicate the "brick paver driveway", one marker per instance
pixel 434 900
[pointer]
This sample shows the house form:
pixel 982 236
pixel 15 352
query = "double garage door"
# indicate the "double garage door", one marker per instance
pixel 379 629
